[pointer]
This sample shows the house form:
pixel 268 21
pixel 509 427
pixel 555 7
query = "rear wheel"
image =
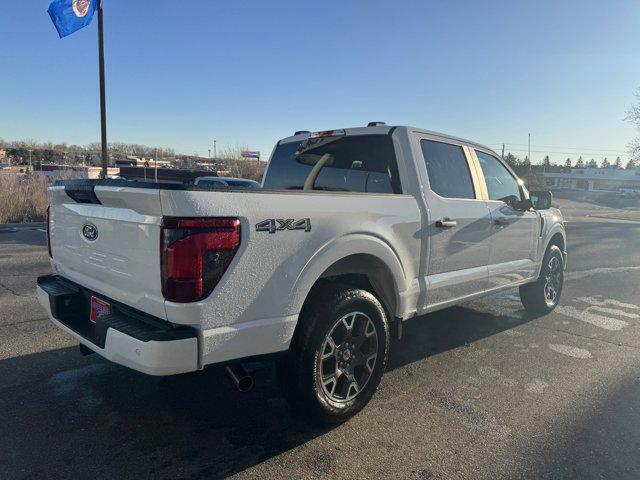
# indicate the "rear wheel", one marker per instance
pixel 543 295
pixel 338 356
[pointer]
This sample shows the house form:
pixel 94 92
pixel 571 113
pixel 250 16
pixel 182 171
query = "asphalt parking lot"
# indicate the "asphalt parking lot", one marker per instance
pixel 481 391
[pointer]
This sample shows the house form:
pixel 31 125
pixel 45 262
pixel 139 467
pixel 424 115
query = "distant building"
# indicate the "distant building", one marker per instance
pixel 132 161
pixel 594 179
pixel 165 175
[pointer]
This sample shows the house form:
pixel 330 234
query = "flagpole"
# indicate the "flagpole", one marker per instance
pixel 103 102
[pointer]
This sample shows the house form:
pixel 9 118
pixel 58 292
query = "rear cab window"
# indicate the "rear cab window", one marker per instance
pixel 447 170
pixel 348 163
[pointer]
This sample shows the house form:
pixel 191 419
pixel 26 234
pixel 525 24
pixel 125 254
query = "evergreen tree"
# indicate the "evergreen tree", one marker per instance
pixel 617 164
pixel 631 164
pixel 567 163
pixel 580 163
pixel 605 163
pixel 546 161
pixel 592 164
pixel 526 162
pixel 512 160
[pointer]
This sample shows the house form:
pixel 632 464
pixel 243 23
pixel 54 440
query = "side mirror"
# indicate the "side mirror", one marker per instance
pixel 541 199
pixel 524 205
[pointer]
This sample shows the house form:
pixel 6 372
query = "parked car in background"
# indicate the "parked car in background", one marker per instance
pixel 226 182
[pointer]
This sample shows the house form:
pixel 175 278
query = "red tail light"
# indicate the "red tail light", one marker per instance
pixel 49 232
pixel 195 253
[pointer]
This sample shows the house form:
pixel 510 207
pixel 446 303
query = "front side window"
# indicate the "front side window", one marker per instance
pixel 447 169
pixel 352 163
pixel 501 185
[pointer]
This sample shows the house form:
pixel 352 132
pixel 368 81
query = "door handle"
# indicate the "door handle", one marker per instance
pixel 446 223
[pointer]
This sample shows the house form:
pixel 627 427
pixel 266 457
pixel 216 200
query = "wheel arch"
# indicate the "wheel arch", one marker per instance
pixel 367 272
pixel 558 239
pixel 556 236
pixel 360 260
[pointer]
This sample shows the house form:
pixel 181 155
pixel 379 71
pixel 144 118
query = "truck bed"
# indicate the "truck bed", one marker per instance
pixel 264 286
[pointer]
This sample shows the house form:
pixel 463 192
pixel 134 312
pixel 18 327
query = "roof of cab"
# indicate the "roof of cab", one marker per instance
pixel 385 129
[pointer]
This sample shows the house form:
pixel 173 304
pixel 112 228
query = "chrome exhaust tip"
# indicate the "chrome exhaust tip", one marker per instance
pixel 242 380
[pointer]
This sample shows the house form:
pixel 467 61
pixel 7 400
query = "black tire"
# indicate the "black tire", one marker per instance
pixel 301 373
pixel 541 296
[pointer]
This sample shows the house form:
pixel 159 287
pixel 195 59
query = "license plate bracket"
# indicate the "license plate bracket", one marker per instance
pixel 99 309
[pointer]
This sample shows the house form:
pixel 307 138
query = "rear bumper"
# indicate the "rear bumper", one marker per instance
pixel 130 338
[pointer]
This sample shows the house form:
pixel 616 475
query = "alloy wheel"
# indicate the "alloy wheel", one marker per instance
pixel 552 280
pixel 348 357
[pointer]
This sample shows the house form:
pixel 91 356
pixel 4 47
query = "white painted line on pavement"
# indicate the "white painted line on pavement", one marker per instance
pixel 576 275
pixel 607 301
pixel 607 323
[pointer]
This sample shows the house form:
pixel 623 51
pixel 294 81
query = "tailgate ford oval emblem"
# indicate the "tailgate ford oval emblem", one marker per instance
pixel 90 232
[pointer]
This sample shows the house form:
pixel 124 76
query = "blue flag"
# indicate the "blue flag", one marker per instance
pixel 69 16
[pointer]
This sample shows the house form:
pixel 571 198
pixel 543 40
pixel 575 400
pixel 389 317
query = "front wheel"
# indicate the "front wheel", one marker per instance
pixel 543 295
pixel 338 356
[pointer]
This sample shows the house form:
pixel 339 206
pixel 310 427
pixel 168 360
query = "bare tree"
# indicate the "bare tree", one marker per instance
pixel 633 116
pixel 83 155
pixel 232 160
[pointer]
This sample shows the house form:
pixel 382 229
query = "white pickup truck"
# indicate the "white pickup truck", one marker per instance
pixel 353 232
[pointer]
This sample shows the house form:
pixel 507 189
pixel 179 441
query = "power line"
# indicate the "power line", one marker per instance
pixel 606 150
pixel 566 153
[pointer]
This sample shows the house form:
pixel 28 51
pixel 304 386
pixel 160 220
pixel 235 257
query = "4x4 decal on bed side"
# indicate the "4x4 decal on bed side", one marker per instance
pixel 273 225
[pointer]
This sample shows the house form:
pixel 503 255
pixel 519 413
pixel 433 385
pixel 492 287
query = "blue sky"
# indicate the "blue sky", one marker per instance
pixel 180 74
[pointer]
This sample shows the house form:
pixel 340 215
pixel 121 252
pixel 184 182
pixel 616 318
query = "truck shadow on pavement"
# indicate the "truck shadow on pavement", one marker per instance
pixel 601 442
pixel 64 415
pixel 448 329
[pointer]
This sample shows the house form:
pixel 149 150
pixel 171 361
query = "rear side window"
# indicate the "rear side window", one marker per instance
pixel 448 170
pixel 356 163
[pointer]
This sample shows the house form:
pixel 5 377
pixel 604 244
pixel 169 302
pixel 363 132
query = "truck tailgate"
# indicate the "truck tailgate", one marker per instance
pixel 122 262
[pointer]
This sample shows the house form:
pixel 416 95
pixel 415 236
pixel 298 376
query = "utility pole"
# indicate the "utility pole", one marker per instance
pixel 209 154
pixel 503 151
pixel 156 169
pixel 529 149
pixel 215 153
pixel 103 101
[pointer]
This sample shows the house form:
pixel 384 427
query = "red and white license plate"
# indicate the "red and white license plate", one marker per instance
pixel 99 309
